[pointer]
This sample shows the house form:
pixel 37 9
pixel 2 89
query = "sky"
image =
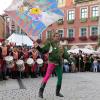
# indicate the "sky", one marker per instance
pixel 4 4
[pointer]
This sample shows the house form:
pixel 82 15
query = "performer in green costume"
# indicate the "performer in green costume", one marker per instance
pixel 56 55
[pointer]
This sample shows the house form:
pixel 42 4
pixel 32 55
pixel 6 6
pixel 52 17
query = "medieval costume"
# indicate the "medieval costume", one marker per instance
pixel 20 74
pixel 34 54
pixel 56 55
pixel 25 57
pixel 4 54
pixel 14 69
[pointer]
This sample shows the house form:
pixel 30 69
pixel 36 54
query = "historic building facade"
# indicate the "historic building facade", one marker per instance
pixel 80 23
pixel 79 26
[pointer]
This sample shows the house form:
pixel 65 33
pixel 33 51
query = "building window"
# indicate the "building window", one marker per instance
pixel 13 31
pixel 13 27
pixel 83 31
pixel 8 19
pixel 95 11
pixel 71 15
pixel 49 34
pixel 40 36
pixel 70 33
pixel 84 12
pixel 17 30
pixel 61 32
pixel 22 32
pixel 94 30
pixel 61 3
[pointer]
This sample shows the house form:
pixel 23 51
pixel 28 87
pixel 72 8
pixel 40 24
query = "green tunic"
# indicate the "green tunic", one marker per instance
pixel 57 53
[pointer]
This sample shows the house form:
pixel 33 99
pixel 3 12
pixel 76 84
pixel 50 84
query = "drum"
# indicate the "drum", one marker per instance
pixel 9 61
pixel 20 65
pixel 30 62
pixel 39 62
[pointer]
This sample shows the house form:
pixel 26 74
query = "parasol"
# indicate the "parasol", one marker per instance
pixel 84 50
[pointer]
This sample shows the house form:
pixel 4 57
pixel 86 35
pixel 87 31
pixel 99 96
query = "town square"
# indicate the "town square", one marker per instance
pixel 50 50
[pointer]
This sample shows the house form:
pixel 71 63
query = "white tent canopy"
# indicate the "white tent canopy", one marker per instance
pixel 20 39
pixel 84 50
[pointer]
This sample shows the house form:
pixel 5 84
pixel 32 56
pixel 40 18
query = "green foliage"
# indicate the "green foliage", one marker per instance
pixel 70 21
pixel 94 18
pixel 83 20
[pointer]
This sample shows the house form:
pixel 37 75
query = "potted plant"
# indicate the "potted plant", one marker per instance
pixel 70 21
pixel 83 20
pixel 94 18
pixel 83 38
pixel 63 38
pixel 93 37
pixel 60 22
pixel 70 38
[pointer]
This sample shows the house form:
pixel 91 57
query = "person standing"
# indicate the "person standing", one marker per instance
pixel 4 54
pixel 1 63
pixel 56 55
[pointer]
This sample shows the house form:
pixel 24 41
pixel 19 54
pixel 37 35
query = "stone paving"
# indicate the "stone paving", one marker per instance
pixel 76 86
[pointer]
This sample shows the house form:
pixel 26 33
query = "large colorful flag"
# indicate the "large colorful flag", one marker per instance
pixel 34 16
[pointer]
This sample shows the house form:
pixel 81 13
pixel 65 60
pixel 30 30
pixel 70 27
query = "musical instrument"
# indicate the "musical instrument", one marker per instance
pixel 20 65
pixel 30 61
pixel 9 61
pixel 39 62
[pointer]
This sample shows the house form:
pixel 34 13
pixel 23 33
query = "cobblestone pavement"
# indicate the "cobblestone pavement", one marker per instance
pixel 76 86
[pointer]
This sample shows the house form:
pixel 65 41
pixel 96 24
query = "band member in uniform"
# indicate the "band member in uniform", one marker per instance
pixel 4 54
pixel 9 64
pixel 26 56
pixel 43 69
pixel 20 57
pixel 34 68
pixel 56 54
pixel 81 64
pixel 15 56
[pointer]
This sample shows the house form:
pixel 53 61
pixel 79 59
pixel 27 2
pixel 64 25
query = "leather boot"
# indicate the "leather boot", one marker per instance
pixel 58 91
pixel 41 90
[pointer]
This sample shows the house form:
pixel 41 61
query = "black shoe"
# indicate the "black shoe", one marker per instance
pixel 60 95
pixel 5 79
pixel 41 90
pixel 58 91
pixel 40 94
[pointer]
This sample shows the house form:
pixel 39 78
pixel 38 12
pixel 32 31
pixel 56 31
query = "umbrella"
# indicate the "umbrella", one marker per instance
pixel 34 16
pixel 84 50
pixel 76 50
